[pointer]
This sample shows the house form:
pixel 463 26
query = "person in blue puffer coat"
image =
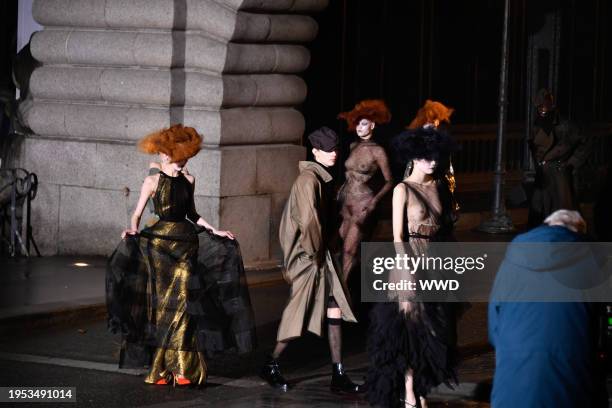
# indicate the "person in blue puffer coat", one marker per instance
pixel 545 354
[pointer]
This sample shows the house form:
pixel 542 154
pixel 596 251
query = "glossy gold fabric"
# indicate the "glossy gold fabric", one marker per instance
pixel 190 364
pixel 177 293
pixel 170 249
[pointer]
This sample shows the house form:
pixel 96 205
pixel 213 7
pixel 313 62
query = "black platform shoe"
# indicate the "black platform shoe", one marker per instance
pixel 271 373
pixel 341 383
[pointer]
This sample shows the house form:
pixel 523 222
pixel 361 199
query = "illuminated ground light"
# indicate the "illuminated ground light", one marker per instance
pixel 80 264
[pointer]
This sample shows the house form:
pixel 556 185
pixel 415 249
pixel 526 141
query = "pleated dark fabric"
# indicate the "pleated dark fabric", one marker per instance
pixel 421 340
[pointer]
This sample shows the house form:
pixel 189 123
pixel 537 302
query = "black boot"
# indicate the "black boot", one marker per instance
pixel 341 383
pixel 271 373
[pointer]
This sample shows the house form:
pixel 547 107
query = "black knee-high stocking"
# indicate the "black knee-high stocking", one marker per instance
pixel 334 333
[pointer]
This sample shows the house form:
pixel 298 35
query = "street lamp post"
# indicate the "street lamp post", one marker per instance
pixel 500 221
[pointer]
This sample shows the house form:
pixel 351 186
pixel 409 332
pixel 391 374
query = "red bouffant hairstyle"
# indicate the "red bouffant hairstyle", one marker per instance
pixel 178 142
pixel 430 112
pixel 372 109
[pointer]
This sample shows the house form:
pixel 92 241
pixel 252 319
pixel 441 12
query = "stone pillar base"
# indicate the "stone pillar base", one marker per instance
pixel 115 70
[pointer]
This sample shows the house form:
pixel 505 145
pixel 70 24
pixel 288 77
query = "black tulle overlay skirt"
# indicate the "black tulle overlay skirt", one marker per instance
pixel 177 294
pixel 422 340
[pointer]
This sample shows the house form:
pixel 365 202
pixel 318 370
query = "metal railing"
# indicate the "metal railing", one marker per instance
pixel 18 188
pixel 475 162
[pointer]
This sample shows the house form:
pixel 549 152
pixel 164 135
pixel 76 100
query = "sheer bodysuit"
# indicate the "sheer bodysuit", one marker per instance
pixel 358 200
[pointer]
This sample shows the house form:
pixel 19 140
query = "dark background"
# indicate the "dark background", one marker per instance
pixel 406 51
pixel 448 50
pixel 8 42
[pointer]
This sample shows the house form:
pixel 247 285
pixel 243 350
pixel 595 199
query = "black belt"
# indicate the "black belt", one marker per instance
pixel 172 219
pixel 417 235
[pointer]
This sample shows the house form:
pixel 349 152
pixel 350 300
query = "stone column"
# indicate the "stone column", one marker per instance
pixel 116 70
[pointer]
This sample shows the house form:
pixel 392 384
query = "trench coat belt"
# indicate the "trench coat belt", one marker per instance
pixel 556 163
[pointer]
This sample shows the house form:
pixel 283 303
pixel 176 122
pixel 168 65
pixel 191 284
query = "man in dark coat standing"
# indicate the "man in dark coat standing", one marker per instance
pixel 317 292
pixel 558 149
pixel 545 353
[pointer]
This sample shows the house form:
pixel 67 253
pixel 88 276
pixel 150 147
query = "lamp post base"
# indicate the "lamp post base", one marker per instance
pixel 497 224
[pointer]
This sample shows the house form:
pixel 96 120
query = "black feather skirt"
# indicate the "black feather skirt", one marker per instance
pixel 422 339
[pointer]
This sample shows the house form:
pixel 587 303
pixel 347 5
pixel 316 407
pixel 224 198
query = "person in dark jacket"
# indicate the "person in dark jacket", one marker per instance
pixel 544 351
pixel 558 148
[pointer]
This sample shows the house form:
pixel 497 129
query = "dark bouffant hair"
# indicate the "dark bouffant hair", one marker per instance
pixel 423 143
pixel 372 109
pixel 178 142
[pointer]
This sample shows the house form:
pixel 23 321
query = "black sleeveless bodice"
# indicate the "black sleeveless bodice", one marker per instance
pixel 173 199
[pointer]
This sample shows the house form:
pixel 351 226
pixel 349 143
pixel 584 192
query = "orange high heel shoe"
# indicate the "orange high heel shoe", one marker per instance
pixel 164 380
pixel 181 381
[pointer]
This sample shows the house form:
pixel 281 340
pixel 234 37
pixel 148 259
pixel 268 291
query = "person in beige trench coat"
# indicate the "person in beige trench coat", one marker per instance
pixel 316 290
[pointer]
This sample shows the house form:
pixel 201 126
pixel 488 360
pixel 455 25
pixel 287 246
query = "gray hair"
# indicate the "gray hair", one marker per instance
pixel 571 220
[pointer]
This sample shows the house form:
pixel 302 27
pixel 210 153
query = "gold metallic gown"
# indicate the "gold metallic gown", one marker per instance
pixel 171 303
pixel 172 245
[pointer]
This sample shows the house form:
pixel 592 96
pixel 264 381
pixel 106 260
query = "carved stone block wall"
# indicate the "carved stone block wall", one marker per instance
pixel 116 70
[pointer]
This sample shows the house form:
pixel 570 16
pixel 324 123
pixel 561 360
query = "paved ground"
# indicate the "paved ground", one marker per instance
pixel 54 334
pixel 84 356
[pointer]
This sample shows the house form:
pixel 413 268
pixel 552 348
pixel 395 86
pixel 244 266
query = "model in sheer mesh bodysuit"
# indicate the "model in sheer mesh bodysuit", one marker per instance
pixel 357 198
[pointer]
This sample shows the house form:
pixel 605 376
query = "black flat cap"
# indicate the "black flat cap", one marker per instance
pixel 324 139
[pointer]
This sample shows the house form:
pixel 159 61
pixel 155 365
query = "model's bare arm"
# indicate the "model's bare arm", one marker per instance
pixel 147 189
pixel 400 202
pixel 399 212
